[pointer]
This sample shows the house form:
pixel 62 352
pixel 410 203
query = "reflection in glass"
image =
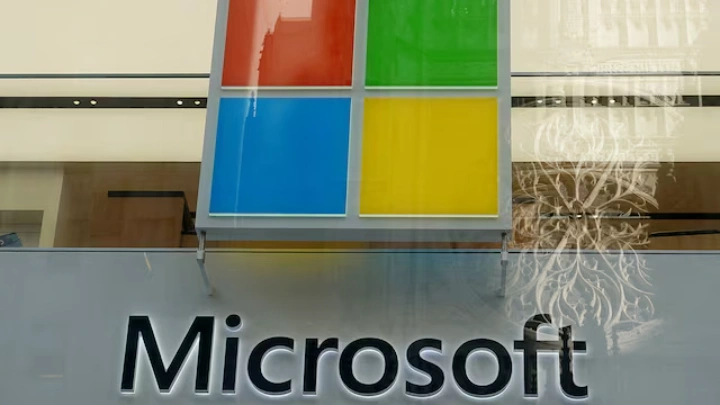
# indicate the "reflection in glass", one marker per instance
pixel 289 43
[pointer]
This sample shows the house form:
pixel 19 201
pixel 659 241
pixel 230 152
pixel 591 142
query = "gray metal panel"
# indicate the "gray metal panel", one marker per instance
pixel 352 227
pixel 64 318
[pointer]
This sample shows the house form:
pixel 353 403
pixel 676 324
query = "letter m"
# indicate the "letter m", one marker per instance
pixel 140 327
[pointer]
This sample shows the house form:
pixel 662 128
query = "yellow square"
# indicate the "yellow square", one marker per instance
pixel 430 157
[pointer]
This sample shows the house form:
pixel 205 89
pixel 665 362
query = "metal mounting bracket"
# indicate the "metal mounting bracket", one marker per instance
pixel 201 262
pixel 504 256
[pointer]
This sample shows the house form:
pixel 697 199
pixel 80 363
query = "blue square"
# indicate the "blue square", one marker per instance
pixel 281 156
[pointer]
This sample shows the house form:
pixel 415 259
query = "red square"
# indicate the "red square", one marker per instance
pixel 289 43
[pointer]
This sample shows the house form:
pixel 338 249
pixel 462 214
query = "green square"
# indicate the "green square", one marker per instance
pixel 432 43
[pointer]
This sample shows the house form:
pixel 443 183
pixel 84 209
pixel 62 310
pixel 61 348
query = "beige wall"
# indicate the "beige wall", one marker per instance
pixel 122 135
pixel 28 187
pixel 26 224
pixel 175 36
pixel 617 35
pixel 106 36
pixel 666 134
pixel 166 36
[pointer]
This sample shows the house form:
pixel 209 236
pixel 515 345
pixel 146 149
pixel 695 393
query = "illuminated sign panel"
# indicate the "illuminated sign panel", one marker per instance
pixel 432 43
pixel 301 169
pixel 424 156
pixel 358 118
pixel 306 43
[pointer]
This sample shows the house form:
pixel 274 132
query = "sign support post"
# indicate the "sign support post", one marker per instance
pixel 504 258
pixel 201 262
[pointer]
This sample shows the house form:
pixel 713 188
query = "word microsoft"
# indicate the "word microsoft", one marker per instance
pixel 310 350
